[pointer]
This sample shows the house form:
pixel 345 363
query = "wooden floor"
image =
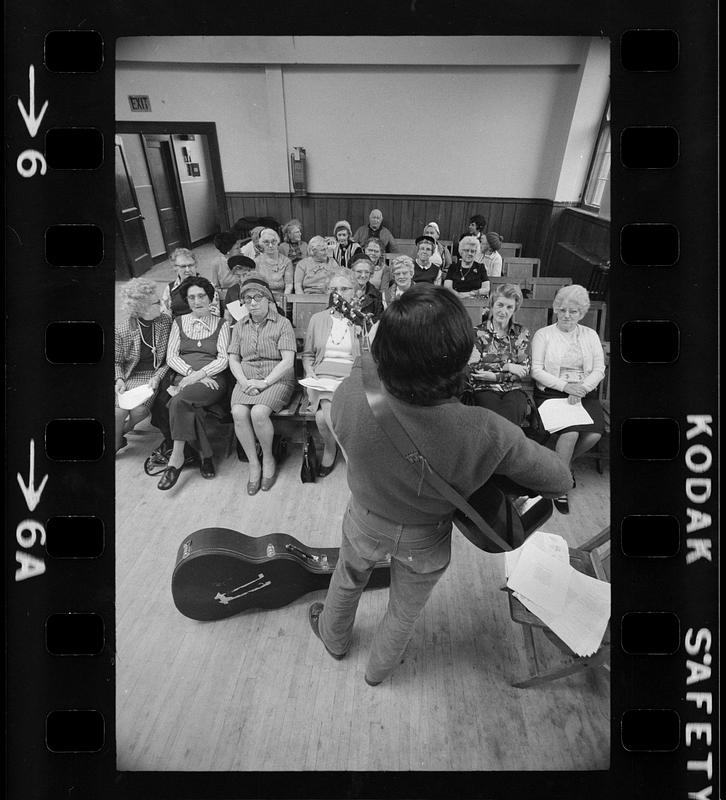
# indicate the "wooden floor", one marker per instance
pixel 258 691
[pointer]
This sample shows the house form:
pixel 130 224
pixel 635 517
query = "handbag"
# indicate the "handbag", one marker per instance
pixel 534 428
pixel 309 468
pixel 488 519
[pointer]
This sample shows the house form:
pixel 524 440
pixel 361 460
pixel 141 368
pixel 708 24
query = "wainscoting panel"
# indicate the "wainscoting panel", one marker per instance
pixel 516 219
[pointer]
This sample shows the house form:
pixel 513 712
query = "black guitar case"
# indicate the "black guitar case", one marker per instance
pixel 220 572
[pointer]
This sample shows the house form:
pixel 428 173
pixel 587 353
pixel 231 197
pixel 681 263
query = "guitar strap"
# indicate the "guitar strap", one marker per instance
pixel 392 427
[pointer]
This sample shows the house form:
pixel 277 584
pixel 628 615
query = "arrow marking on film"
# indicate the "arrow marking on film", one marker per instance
pixel 30 493
pixel 32 123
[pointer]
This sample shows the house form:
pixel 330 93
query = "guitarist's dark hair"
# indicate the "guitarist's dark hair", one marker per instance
pixel 422 345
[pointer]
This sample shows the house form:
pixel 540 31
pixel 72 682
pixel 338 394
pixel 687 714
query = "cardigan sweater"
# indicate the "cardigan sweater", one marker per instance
pixel 316 339
pixel 464 444
pixel 548 347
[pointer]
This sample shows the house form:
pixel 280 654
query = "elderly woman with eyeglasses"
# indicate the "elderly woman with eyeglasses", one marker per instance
pixel 184 263
pixel 346 247
pixel 468 277
pixel 331 346
pixel 312 274
pixel 197 354
pixel 501 357
pixel 402 269
pixel 274 267
pixel 380 271
pixel 568 362
pixel 366 299
pixel 240 267
pixel 292 244
pixel 261 358
pixel 139 351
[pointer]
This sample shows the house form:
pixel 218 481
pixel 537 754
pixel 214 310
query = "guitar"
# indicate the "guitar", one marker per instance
pixel 220 572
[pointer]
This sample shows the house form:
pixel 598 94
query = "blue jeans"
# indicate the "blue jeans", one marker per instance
pixel 419 556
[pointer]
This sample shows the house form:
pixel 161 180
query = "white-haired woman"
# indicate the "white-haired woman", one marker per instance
pixel 502 357
pixel 568 362
pixel 468 277
pixel 312 274
pixel 331 346
pixel 292 244
pixel 402 271
pixel 441 257
pixel 273 266
pixel 139 351
pixel 380 271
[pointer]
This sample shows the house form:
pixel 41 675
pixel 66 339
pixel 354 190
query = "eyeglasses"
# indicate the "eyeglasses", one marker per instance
pixel 253 298
pixel 185 266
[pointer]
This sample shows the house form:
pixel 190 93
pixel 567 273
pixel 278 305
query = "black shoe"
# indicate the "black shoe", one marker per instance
pixel 371 683
pixel 169 478
pixel 206 468
pixel 323 471
pixel 562 504
pixel 314 612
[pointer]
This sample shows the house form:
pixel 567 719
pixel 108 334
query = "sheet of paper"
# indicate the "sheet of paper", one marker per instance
pixel 550 542
pixel 320 384
pixel 236 309
pixel 583 620
pixel 542 574
pixel 559 413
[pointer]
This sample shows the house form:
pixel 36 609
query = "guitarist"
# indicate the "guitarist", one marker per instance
pixel 423 343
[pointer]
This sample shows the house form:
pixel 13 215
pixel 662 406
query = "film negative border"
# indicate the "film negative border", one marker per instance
pixel 664 462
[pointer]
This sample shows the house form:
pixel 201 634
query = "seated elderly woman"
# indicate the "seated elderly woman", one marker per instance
pixel 273 266
pixel 140 351
pixel 491 258
pixel 367 299
pixel 345 248
pixel 380 271
pixel 197 356
pixel 184 263
pixel 312 274
pixel 441 256
pixel 568 362
pixel 502 357
pixel 331 346
pixel 253 248
pixel 468 278
pixel 402 269
pixel 261 358
pixel 424 270
pixel 292 244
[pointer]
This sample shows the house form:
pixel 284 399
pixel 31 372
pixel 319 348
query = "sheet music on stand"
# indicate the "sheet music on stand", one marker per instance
pixel 574 606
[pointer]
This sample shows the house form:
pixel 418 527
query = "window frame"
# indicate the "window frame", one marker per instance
pixel 592 178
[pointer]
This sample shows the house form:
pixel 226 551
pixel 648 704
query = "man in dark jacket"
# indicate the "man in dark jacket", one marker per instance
pixel 375 229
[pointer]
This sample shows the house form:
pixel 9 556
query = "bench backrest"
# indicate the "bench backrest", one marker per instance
pixel 520 267
pixel 510 250
pixel 546 288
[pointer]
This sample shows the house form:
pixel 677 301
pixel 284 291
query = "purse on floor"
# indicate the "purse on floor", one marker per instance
pixel 309 468
pixel 488 518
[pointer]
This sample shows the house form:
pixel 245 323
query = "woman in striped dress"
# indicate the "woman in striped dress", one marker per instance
pixel 140 351
pixel 261 358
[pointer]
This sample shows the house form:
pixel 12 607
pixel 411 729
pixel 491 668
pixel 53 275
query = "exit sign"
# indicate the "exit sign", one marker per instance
pixel 140 102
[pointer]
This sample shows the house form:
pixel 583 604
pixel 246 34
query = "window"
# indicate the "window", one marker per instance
pixel 599 173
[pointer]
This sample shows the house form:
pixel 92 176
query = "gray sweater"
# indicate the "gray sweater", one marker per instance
pixel 464 444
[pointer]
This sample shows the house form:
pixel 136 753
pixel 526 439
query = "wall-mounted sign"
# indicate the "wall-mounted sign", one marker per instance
pixel 140 102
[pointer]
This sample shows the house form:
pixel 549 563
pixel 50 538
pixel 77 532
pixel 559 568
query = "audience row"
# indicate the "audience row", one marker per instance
pixel 198 359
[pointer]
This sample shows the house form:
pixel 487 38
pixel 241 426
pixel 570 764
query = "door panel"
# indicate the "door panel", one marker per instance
pixel 168 199
pixel 130 221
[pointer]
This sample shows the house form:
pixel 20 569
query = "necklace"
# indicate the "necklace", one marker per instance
pixel 151 346
pixel 344 330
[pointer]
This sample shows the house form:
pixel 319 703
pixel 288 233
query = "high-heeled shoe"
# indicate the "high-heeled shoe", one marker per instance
pixel 169 478
pixel 267 483
pixel 323 471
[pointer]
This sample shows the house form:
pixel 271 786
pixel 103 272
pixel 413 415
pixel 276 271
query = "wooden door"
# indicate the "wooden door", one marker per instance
pixel 135 246
pixel 167 192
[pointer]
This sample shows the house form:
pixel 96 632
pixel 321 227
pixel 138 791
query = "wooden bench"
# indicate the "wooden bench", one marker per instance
pixel 520 267
pixel 510 250
pixel 546 288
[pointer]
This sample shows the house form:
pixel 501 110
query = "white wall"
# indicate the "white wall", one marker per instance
pixel 463 116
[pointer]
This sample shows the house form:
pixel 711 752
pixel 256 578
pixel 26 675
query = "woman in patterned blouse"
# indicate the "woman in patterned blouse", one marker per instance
pixel 261 358
pixel 501 357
